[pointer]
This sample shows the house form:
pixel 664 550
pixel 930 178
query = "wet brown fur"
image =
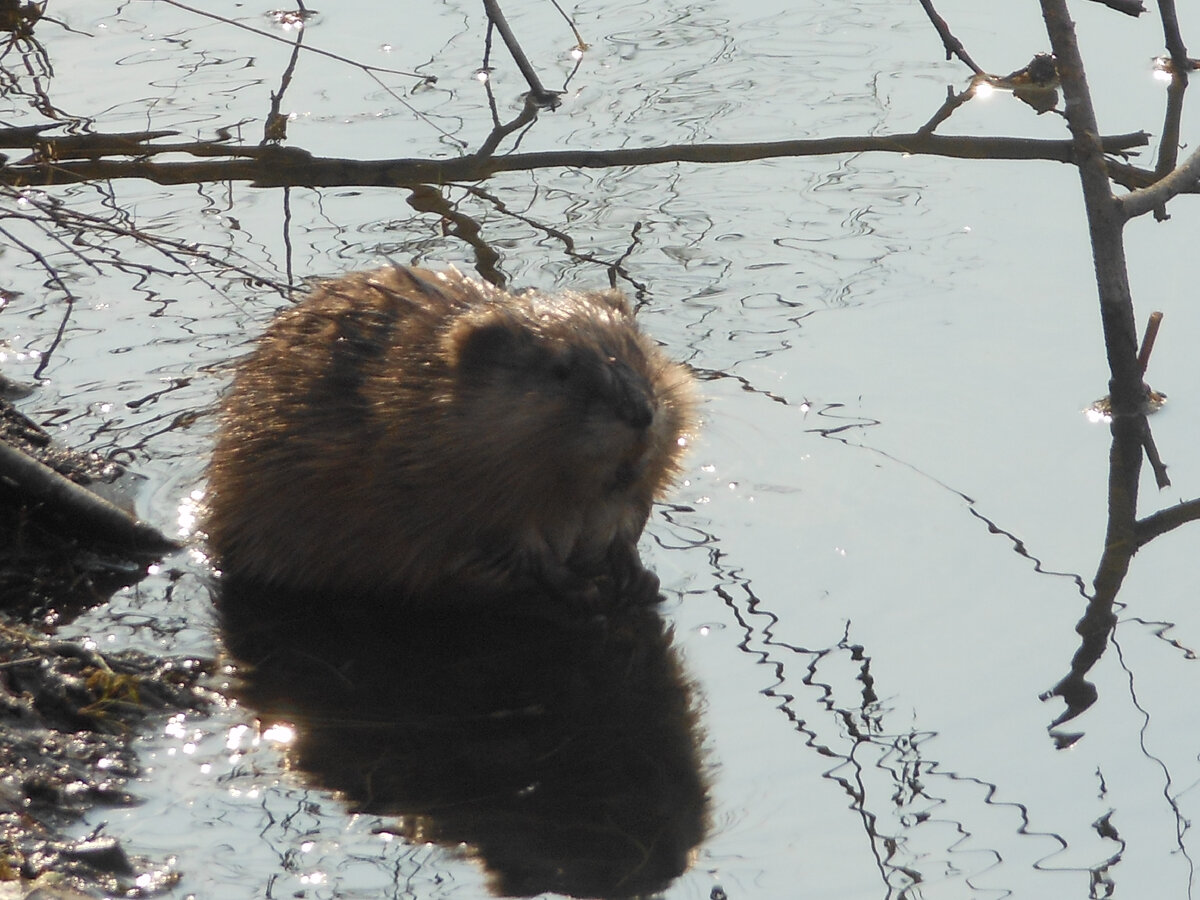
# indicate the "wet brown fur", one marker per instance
pixel 422 434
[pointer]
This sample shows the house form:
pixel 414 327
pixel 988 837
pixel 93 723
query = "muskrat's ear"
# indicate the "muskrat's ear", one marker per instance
pixel 478 345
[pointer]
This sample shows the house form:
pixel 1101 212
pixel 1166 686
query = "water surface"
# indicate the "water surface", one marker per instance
pixel 883 540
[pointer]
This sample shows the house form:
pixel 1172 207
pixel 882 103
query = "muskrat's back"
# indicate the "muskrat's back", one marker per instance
pixel 423 435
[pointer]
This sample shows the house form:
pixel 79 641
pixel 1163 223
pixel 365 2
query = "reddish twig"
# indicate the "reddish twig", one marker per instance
pixel 1148 340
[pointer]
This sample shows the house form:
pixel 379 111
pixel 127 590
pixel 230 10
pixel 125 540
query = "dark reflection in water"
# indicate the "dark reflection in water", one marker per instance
pixel 564 754
pixel 1095 629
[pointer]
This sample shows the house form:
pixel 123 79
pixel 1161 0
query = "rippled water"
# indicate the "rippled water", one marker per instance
pixel 880 551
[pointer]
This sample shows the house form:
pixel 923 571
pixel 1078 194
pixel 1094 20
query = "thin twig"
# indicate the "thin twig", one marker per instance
pixel 372 72
pixel 496 17
pixel 528 114
pixel 616 269
pixel 1156 464
pixel 54 278
pixel 170 248
pixel 579 41
pixel 1168 141
pixel 275 128
pixel 366 67
pixel 1172 36
pixel 953 45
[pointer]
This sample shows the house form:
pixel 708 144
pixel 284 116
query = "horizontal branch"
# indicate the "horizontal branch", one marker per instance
pixel 278 167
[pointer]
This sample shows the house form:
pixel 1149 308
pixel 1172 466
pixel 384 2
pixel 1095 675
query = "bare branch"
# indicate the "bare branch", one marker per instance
pixel 52 278
pixel 1171 35
pixel 1105 221
pixel 495 16
pixel 275 127
pixel 1129 7
pixel 953 45
pixel 80 146
pixel 1184 179
pixel 1166 520
pixel 1134 177
pixel 282 166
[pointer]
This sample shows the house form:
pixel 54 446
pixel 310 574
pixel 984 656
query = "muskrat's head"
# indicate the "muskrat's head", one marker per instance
pixel 569 383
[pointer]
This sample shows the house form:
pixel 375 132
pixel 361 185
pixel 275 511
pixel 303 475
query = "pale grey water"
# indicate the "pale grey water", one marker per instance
pixel 940 313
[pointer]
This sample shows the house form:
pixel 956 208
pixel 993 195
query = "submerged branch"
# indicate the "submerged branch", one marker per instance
pixel 84 511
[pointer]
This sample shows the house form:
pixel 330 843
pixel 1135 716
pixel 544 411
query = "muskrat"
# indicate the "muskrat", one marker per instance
pixel 423 435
